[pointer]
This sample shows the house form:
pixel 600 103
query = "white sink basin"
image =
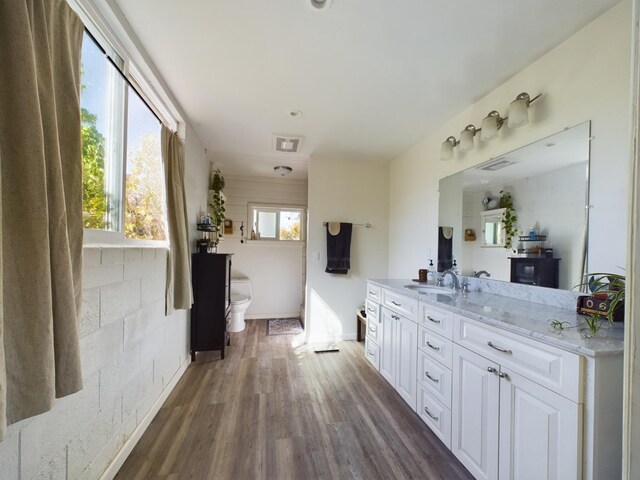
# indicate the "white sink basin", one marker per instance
pixel 431 289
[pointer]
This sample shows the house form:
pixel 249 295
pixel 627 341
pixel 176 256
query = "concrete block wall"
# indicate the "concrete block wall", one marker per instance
pixel 130 352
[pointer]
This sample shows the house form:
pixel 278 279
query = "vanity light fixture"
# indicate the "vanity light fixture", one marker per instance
pixel 282 170
pixel 466 137
pixel 490 126
pixel 519 110
pixel 446 153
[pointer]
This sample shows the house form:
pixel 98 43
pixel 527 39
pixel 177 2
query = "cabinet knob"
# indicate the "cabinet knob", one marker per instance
pixel 434 380
pixel 491 370
pixel 426 410
pixel 504 375
pixel 432 346
pixel 500 349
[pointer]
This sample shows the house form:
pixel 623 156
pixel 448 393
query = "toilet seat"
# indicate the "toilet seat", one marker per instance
pixel 238 299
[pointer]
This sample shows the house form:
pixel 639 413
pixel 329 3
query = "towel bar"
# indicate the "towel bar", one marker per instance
pixel 365 225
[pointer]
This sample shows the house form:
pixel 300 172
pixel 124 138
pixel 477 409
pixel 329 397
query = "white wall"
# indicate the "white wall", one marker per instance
pixel 131 354
pixel 585 78
pixel 276 269
pixel 346 191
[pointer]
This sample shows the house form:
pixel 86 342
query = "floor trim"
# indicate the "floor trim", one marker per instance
pixel 127 448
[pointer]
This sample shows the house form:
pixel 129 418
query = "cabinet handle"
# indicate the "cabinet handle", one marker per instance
pixel 504 375
pixel 373 294
pixel 491 370
pixel 372 328
pixel 371 310
pixel 433 319
pixel 396 303
pixel 500 349
pixel 426 410
pixel 371 353
pixel 433 346
pixel 395 317
pixel 434 380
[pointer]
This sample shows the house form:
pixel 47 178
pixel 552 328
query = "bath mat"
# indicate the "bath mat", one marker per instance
pixel 284 326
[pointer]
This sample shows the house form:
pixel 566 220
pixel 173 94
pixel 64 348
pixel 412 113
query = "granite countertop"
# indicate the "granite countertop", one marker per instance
pixel 520 316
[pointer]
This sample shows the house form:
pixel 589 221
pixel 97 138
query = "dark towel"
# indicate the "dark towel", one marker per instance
pixel 339 249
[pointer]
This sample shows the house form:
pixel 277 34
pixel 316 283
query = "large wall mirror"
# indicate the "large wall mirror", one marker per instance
pixel 548 182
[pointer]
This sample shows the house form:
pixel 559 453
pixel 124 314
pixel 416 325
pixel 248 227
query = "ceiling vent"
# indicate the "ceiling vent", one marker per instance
pixel 497 164
pixel 286 143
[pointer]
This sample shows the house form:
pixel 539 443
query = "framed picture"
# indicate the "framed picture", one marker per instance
pixel 228 226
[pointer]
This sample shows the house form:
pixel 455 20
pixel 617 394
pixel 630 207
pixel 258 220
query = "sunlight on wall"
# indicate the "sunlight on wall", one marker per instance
pixel 326 325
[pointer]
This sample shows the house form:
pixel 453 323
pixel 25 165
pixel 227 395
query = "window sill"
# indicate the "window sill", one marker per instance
pixel 275 243
pixel 99 238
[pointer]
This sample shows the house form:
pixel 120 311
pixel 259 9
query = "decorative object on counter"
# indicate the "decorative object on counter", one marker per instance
pixel 216 204
pixel 509 218
pixel 606 301
pixel 422 275
pixel 469 235
pixel 431 272
pixel 491 124
pixel 338 247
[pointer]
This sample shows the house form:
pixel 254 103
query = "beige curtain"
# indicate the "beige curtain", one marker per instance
pixel 178 293
pixel 41 209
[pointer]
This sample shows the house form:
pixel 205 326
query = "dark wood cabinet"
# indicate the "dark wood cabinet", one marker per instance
pixel 211 275
pixel 539 271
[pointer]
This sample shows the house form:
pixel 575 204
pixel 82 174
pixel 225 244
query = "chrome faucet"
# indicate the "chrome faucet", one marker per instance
pixel 454 278
pixel 482 272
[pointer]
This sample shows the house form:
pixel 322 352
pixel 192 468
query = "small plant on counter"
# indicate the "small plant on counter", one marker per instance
pixel 509 218
pixel 609 286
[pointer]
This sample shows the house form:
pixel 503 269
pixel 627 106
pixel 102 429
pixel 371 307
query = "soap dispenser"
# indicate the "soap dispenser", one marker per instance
pixel 431 276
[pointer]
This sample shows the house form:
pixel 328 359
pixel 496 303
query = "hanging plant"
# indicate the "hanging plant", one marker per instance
pixel 509 218
pixel 216 204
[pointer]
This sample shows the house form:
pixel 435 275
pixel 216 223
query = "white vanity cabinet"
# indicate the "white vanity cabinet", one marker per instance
pixel 504 424
pixel 374 333
pixel 398 354
pixel 435 357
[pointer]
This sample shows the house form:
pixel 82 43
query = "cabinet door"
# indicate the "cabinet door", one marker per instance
pixel 539 432
pixel 475 413
pixel 387 349
pixel 407 355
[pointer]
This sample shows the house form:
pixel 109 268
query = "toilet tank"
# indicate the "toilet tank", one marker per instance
pixel 241 286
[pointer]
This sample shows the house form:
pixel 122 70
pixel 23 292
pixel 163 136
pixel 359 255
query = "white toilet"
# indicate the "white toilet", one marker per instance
pixel 240 301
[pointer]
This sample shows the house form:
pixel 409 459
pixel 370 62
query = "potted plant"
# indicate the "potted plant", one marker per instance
pixel 609 286
pixel 509 218
pixel 216 204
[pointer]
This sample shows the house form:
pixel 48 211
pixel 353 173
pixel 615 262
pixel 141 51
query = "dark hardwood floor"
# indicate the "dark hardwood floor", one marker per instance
pixel 273 409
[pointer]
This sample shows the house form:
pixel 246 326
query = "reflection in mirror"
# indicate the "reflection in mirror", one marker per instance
pixel 445 248
pixel 548 181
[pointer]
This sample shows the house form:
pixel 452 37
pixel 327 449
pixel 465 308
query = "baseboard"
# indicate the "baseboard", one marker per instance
pixel 272 315
pixel 127 448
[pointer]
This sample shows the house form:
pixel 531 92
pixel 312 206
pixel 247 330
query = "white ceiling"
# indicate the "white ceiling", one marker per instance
pixel 372 77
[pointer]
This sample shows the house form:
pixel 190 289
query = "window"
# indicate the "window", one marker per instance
pixel 123 181
pixel 277 222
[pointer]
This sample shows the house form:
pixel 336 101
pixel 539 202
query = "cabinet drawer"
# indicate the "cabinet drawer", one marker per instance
pixel 435 378
pixel 374 329
pixel 372 352
pixel 372 309
pixel 400 304
pixel 554 368
pixel 436 347
pixel 435 415
pixel 436 320
pixel 374 292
